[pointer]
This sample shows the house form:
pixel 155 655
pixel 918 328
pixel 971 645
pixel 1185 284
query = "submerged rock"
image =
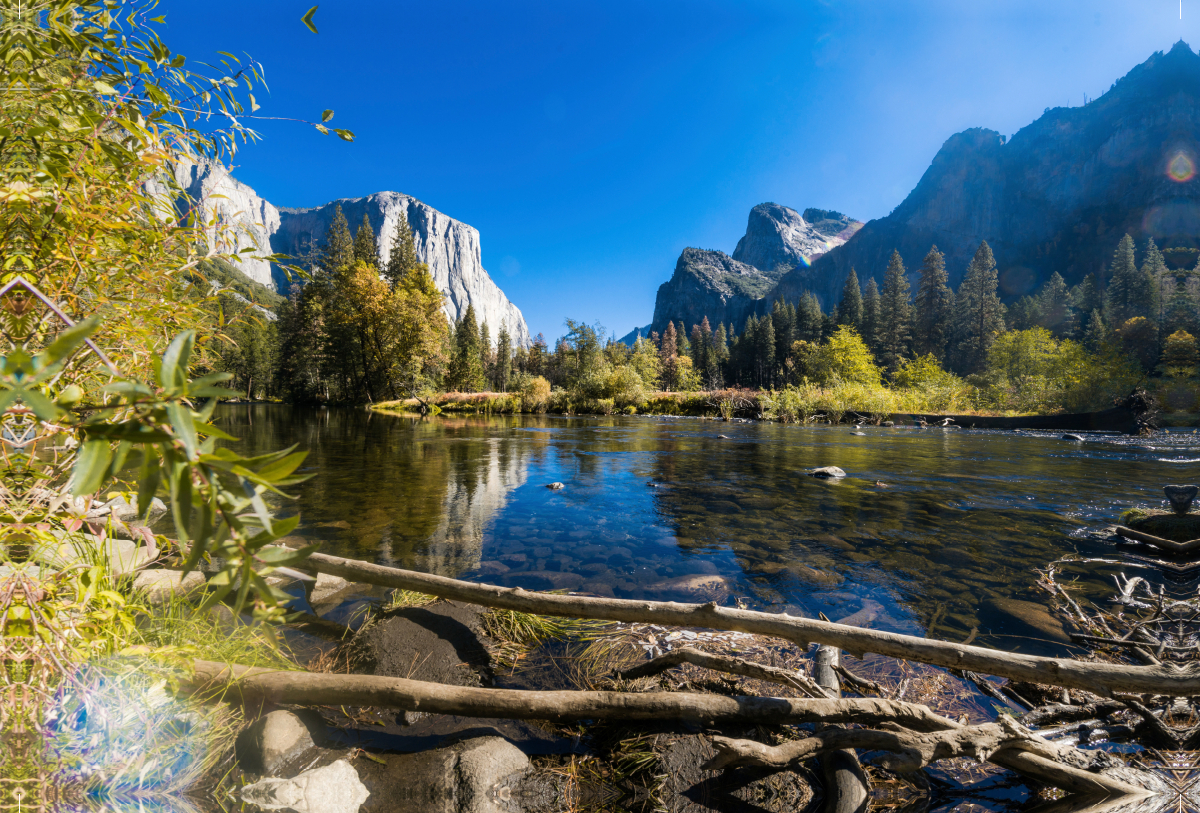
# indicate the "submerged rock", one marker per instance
pixel 828 471
pixel 1072 437
pixel 270 741
pixel 1031 615
pixel 160 585
pixel 334 788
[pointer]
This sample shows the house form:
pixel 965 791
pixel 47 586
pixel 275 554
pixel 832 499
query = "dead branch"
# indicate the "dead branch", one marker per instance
pixel 1103 678
pixel 729 665
pixel 250 684
pixel 860 685
pixel 848 790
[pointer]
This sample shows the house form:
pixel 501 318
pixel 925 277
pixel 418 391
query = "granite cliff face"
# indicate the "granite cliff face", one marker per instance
pixel 450 249
pixel 1057 196
pixel 240 219
pixel 727 289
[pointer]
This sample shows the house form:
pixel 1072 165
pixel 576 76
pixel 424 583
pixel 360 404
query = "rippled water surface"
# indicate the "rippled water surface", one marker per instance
pixel 930 532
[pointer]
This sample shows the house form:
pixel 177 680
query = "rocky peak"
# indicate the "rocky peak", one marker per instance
pixel 237 219
pixel 777 236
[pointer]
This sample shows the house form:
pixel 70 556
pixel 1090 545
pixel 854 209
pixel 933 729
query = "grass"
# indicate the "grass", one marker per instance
pixel 517 634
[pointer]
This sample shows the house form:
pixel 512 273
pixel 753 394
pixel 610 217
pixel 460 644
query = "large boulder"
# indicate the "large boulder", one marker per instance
pixel 271 741
pixel 473 776
pixel 334 788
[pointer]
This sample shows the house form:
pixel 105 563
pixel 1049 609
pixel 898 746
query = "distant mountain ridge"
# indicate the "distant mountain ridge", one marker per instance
pixel 450 248
pixel 1057 196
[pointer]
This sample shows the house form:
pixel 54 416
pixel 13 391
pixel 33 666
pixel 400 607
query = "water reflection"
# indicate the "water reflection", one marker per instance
pixel 934 531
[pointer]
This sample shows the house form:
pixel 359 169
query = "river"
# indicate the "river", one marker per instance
pixel 931 532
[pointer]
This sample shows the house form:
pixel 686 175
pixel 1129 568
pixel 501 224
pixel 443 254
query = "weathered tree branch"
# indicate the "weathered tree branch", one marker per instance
pixel 1103 678
pixel 729 665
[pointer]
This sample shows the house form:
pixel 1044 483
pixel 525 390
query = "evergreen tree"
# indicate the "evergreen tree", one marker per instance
pixel 364 243
pixel 766 352
pixel 744 353
pixel 934 307
pixel 466 368
pixel 682 347
pixel 1054 311
pixel 1024 314
pixel 850 309
pixel 870 316
pixel 337 255
pixel 403 255
pixel 979 316
pixel 1086 297
pixel 668 353
pixel 503 366
pixel 1096 334
pixel 783 320
pixel 808 314
pixel 1130 290
pixel 895 316
pixel 485 352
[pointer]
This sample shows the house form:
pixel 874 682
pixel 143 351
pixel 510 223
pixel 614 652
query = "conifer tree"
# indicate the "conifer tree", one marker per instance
pixel 850 309
pixel 364 243
pixel 403 255
pixel 934 307
pixel 979 316
pixel 1096 334
pixel 485 351
pixel 895 316
pixel 682 348
pixel 1130 290
pixel 1053 310
pixel 766 352
pixel 466 368
pixel 809 313
pixel 783 320
pixel 503 366
pixel 870 315
pixel 337 255
pixel 1085 298
pixel 744 352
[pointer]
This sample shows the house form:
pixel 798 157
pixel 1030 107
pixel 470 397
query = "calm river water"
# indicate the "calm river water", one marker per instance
pixel 931 531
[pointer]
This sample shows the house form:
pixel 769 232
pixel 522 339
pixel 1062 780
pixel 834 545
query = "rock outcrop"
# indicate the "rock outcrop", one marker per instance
pixel 236 218
pixel 1057 196
pixel 450 248
pixel 778 236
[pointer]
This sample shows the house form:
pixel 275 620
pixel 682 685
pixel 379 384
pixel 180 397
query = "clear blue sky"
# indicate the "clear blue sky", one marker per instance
pixel 590 142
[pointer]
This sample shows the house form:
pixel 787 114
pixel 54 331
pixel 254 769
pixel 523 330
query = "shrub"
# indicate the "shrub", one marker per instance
pixel 535 394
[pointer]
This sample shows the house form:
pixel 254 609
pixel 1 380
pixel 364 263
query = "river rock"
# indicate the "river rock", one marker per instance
pixel 1181 497
pixel 828 471
pixel 334 788
pixel 697 585
pixel 160 585
pixel 544 580
pixel 475 776
pixel 815 576
pixel 270 741
pixel 1072 437
pixel 324 588
pixel 121 509
pixel 555 486
pixel 1030 615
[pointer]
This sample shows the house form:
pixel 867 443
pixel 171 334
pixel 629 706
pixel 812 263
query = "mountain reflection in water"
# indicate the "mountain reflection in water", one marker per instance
pixel 933 531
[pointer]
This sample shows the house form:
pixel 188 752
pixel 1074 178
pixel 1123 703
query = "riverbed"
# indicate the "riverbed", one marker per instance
pixel 933 531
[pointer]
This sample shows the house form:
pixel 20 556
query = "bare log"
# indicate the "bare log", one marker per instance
pixel 729 665
pixel 1102 678
pixel 847 789
pixel 254 684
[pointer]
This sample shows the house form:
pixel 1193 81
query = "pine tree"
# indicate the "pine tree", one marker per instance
pixel 337 255
pixel 808 313
pixel 934 307
pixel 720 355
pixel 682 347
pixel 1130 290
pixel 466 368
pixel 979 316
pixel 1085 298
pixel 503 367
pixel 895 317
pixel 1096 334
pixel 765 350
pixel 870 316
pixel 485 352
pixel 850 309
pixel 744 352
pixel 364 243
pixel 1054 311
pixel 403 255
pixel 783 320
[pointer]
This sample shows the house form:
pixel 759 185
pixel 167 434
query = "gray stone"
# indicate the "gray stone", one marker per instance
pixel 1181 497
pixel 123 556
pixel 270 741
pixel 777 235
pixel 555 486
pixel 334 788
pixel 474 776
pixel 828 471
pixel 1072 437
pixel 121 509
pixel 324 588
pixel 449 247
pixel 160 585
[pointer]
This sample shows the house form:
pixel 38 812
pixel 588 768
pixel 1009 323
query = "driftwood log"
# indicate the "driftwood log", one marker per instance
pixel 1011 746
pixel 1101 678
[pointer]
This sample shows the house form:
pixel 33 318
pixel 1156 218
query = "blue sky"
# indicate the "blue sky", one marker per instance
pixel 590 142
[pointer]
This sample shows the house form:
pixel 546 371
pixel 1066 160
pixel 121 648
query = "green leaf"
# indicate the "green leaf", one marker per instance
pixel 322 129
pixel 42 406
pixel 67 341
pixel 344 135
pixel 91 467
pixel 327 115
pixel 277 555
pixel 105 89
pixel 185 429
pixel 307 19
pixel 172 375
pixel 254 105
pixel 149 477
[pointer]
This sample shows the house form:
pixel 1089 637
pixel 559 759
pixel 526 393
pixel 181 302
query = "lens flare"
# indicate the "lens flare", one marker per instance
pixel 1182 168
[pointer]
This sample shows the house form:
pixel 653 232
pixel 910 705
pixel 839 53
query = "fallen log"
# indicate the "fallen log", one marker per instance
pixel 248 684
pixel 1102 678
pixel 729 665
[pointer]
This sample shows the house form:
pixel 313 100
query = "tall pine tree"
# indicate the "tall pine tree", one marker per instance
pixel 402 258
pixel 466 367
pixel 503 367
pixel 895 315
pixel 850 309
pixel 337 255
pixel 934 307
pixel 870 316
pixel 364 243
pixel 1130 289
pixel 979 316
pixel 1054 311
pixel 808 313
